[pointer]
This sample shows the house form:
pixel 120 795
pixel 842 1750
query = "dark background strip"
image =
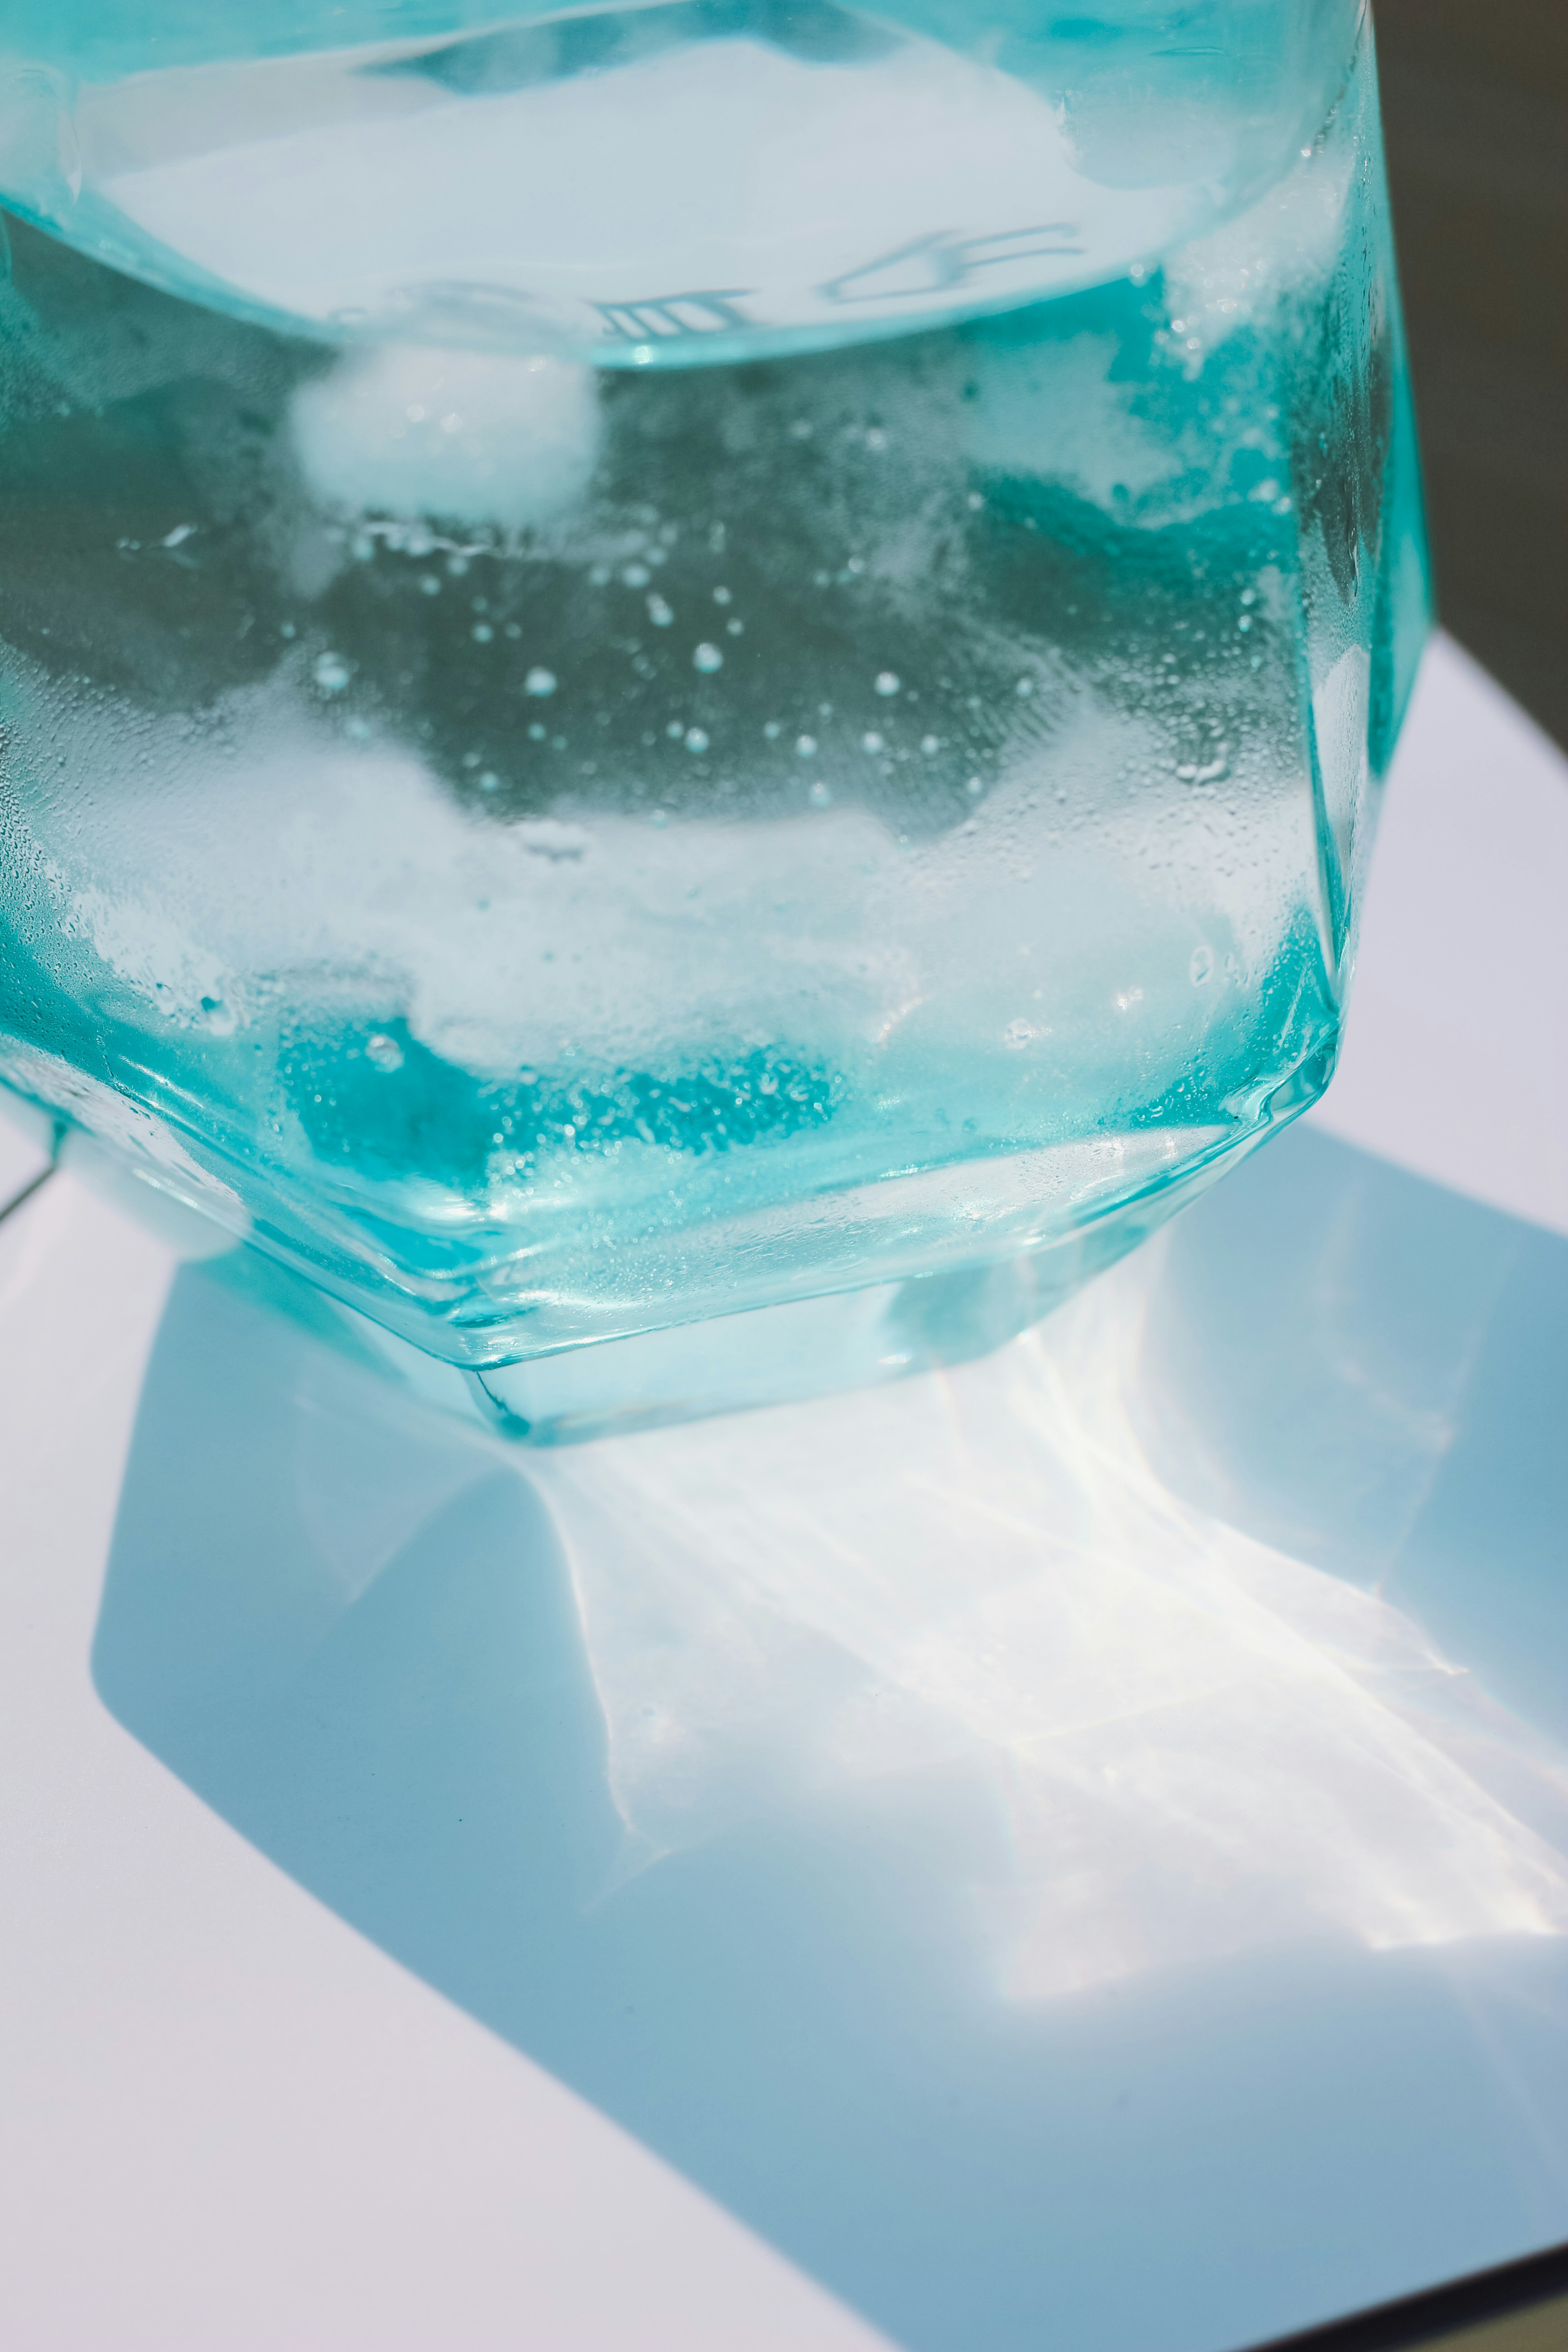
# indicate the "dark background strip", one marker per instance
pixel 1475 99
pixel 1520 2308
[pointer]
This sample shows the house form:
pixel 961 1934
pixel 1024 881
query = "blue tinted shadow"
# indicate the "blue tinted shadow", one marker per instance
pixel 350 1629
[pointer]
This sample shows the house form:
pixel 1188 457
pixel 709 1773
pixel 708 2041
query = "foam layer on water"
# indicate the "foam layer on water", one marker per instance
pixel 688 176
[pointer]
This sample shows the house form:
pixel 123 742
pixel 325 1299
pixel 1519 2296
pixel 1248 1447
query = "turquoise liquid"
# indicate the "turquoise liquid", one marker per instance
pixel 557 850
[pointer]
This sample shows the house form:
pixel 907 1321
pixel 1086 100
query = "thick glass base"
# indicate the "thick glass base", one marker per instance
pixel 730 1363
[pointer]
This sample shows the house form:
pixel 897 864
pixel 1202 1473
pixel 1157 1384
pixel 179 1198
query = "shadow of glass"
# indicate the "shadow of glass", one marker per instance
pixel 819 1802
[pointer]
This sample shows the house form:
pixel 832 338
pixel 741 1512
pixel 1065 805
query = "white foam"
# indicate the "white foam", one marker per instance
pixel 484 436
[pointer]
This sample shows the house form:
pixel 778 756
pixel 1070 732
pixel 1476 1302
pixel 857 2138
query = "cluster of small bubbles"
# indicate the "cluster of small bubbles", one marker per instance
pixel 384 1053
pixel 887 681
pixel 806 746
pixel 540 681
pixel 696 739
pixel 1201 966
pixel 330 673
pixel 820 795
pixel 708 658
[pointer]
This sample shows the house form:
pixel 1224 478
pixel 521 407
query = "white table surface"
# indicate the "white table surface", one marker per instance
pixel 437 1916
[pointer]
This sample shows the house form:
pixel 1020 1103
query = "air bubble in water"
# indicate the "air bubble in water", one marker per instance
pixel 805 745
pixel 871 742
pixel 708 658
pixel 330 673
pixel 1201 966
pixel 696 741
pixel 540 681
pixel 384 1053
pixel 888 681
pixel 820 795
